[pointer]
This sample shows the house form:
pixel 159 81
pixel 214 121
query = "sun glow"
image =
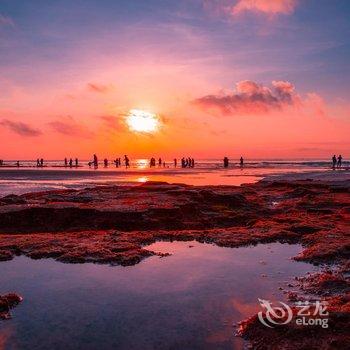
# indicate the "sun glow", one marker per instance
pixel 142 121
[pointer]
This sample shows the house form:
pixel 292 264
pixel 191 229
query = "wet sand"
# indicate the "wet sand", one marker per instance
pixel 113 224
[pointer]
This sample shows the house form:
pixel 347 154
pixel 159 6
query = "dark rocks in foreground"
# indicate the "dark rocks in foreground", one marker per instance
pixel 8 302
pixel 112 225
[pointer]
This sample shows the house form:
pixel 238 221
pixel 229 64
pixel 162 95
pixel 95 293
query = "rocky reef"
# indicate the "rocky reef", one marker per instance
pixel 8 302
pixel 113 224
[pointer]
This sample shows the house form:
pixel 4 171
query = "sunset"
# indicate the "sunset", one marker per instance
pixel 142 121
pixel 174 174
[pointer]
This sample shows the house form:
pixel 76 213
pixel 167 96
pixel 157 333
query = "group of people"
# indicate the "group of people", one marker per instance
pixel 337 162
pixel 187 162
pixel 226 162
pixel 40 162
pixel 116 161
pixel 152 162
pixel 70 163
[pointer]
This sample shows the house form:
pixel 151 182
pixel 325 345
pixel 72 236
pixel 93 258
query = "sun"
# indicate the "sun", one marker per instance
pixel 142 121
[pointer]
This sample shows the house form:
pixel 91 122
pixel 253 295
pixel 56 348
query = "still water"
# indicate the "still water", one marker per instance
pixel 189 300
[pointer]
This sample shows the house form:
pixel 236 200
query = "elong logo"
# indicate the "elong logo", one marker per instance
pixel 307 314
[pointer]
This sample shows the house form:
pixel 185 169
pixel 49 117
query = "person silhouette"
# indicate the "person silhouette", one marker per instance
pixel 105 162
pixel 241 162
pixel 226 161
pixel 41 162
pixel 70 162
pixel 95 162
pixel 65 162
pixel 76 162
pixel 175 162
pixel 340 158
pixel 127 161
pixel 334 161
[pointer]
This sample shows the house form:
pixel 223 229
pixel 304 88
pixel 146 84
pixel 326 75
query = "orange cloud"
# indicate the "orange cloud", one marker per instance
pixel 268 7
pixel 70 127
pixel 99 88
pixel 250 97
pixel 113 123
pixel 20 128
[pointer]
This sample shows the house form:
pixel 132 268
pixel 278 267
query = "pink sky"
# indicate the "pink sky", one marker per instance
pixel 218 92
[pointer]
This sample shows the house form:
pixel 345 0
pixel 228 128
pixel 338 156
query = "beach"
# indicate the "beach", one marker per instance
pixel 55 176
pixel 102 218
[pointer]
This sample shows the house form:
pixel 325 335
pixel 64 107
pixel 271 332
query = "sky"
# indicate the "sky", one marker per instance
pixel 258 78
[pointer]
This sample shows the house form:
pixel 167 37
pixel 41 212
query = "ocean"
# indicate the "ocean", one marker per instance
pixel 54 175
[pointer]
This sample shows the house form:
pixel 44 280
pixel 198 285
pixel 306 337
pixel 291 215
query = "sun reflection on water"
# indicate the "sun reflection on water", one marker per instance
pixel 142 179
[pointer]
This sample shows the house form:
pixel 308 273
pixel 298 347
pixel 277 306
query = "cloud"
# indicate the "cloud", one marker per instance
pixel 20 128
pixel 69 126
pixel 250 97
pixel 6 21
pixel 267 7
pixel 99 88
pixel 113 123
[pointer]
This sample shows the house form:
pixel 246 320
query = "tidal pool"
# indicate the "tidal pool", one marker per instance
pixel 189 300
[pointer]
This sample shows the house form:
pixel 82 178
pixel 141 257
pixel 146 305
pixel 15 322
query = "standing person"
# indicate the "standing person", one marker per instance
pixel 226 161
pixel 38 162
pixel 65 162
pixel 95 161
pixel 41 162
pixel 70 162
pixel 340 158
pixel 116 162
pixel 182 162
pixel 334 161
pixel 241 162
pixel 175 162
pixel 160 162
pixel 76 162
pixel 17 164
pixel 127 161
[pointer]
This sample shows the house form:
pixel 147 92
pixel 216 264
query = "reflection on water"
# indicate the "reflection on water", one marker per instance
pixel 142 179
pixel 188 300
pixel 24 181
